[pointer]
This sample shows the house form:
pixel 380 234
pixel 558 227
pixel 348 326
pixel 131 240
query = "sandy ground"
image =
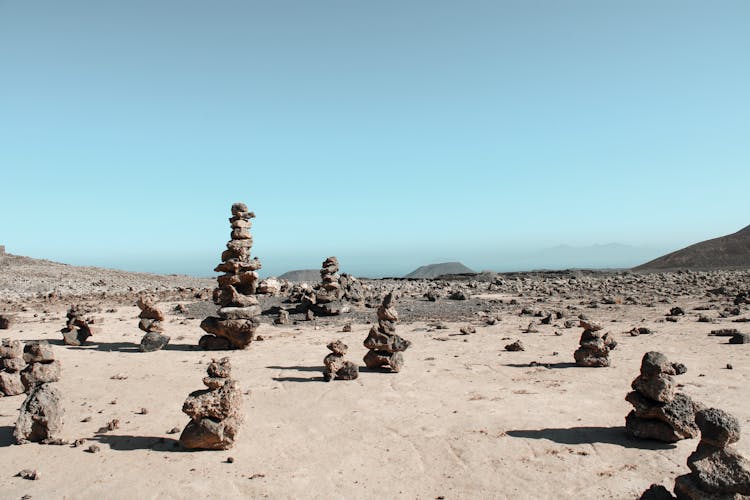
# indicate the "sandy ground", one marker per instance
pixel 464 419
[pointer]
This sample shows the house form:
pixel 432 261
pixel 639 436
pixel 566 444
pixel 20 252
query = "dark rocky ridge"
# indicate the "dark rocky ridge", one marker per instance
pixel 440 269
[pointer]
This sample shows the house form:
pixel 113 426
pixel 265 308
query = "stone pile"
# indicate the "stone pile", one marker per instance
pixel 326 298
pixel 235 326
pixel 385 346
pixel 41 415
pixel 660 412
pixel 76 329
pixel 215 413
pixel 718 471
pixel 11 364
pixel 150 322
pixel 594 347
pixel 336 366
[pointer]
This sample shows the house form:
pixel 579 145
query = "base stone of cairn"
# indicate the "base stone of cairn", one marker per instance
pixel 594 347
pixel 385 346
pixel 718 471
pixel 659 412
pixel 150 322
pixel 235 326
pixel 11 364
pixel 41 415
pixel 215 412
pixel 76 329
pixel 336 366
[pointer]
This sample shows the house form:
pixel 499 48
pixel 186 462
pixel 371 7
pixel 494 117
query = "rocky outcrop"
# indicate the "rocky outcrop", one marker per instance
pixel 41 415
pixel 594 347
pixel 718 471
pixel 385 346
pixel 336 367
pixel 659 411
pixel 150 322
pixel 11 364
pixel 215 413
pixel 235 326
pixel 76 329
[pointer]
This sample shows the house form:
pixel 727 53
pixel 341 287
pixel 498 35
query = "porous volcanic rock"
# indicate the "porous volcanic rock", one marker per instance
pixel 41 415
pixel 76 329
pixel 151 322
pixel 11 364
pixel 594 347
pixel 336 367
pixel 385 346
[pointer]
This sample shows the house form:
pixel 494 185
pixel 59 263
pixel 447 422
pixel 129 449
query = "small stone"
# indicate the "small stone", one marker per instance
pixel 30 474
pixel 93 449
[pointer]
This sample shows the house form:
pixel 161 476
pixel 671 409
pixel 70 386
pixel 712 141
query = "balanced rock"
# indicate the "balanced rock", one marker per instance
pixel 385 346
pixel 594 347
pixel 336 366
pixel 215 413
pixel 234 326
pixel 718 471
pixel 41 413
pixel 11 364
pixel 659 411
pixel 76 329
pixel 150 322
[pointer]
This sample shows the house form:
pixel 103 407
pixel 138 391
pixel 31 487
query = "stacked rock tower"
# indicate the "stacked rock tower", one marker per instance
pixel 385 346
pixel 660 413
pixel 150 322
pixel 718 471
pixel 76 329
pixel 336 367
pixel 330 289
pixel 594 347
pixel 41 413
pixel 11 364
pixel 235 326
pixel 215 413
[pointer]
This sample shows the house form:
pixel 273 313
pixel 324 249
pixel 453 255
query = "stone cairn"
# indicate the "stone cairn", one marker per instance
pixel 237 321
pixel 336 366
pixel 11 364
pixel 150 322
pixel 718 471
pixel 76 329
pixel 215 412
pixel 660 413
pixel 41 415
pixel 325 299
pixel 385 346
pixel 594 348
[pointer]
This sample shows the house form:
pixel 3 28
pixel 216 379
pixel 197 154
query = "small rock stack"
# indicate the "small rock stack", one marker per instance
pixel 660 413
pixel 11 364
pixel 237 321
pixel 384 345
pixel 150 322
pixel 76 329
pixel 336 366
pixel 594 347
pixel 326 299
pixel 215 412
pixel 41 413
pixel 718 471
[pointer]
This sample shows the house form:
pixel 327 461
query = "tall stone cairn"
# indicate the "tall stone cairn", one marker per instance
pixel 659 412
pixel 718 471
pixel 594 347
pixel 215 413
pixel 41 415
pixel 385 346
pixel 235 326
pixel 11 364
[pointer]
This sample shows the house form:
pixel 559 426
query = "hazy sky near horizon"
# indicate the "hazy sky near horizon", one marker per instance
pixel 391 133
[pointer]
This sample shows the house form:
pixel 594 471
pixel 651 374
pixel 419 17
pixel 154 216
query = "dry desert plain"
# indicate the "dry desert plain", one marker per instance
pixel 463 419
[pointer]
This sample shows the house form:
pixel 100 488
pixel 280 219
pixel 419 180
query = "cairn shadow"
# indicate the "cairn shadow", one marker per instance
pixel 119 442
pixel 6 436
pixel 553 366
pixel 297 368
pixel 129 347
pixel 591 435
pixel 299 379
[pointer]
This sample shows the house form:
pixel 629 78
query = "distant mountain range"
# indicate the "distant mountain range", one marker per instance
pixel 309 275
pixel 727 252
pixel 434 270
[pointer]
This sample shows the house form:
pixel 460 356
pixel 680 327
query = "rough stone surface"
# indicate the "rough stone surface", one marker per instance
pixel 593 350
pixel 11 364
pixel 384 345
pixel 153 341
pixel 336 367
pixel 216 412
pixel 41 415
pixel 76 330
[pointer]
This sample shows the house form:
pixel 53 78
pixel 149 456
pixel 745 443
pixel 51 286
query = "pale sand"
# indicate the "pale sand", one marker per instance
pixel 459 421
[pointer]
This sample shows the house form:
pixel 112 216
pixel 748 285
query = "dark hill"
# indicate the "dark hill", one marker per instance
pixel 434 270
pixel 726 252
pixel 309 275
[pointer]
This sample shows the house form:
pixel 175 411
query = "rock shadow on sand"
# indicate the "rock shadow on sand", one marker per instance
pixel 120 442
pixel 591 435
pixel 551 366
pixel 318 369
pixel 6 436
pixel 128 347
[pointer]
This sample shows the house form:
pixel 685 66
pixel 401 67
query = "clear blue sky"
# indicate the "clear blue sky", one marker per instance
pixel 389 133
